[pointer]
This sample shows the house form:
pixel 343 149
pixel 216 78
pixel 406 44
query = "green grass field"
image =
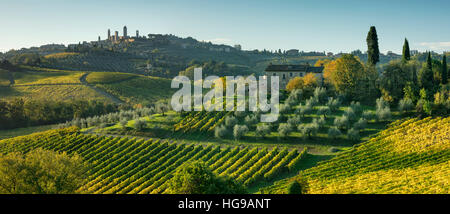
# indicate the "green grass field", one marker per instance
pixel 4 78
pixel 51 92
pixel 32 78
pixel 108 77
pixel 141 89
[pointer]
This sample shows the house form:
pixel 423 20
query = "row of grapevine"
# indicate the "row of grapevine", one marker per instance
pixel 411 156
pixel 201 121
pixel 136 166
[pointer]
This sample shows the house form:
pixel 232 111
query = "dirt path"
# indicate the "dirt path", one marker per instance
pixel 100 91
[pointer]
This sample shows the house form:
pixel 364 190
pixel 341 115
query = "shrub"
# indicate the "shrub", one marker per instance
pixel 162 107
pixel 356 106
pixel 123 123
pixel 342 122
pixel 230 121
pixel 296 95
pixel 384 114
pixel 139 125
pixel 239 114
pixel 294 188
pixel 197 178
pixel 320 94
pixel 285 108
pixel 239 131
pixel 42 172
pixel 381 104
pixel 304 110
pixel 324 111
pixel 353 134
pixel 311 102
pixel 368 115
pixel 361 124
pixel 284 129
pixel 262 130
pixel 309 129
pixel 350 114
pixel 251 120
pixel 333 104
pixel 405 105
pixel 319 121
pixel 294 120
pixel 220 131
pixel 334 132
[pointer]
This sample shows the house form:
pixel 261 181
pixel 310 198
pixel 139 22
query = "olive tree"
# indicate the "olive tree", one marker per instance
pixel 239 131
pixel 263 129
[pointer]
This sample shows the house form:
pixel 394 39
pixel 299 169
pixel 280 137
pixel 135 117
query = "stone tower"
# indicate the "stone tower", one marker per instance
pixel 137 33
pixel 125 32
pixel 109 34
pixel 116 36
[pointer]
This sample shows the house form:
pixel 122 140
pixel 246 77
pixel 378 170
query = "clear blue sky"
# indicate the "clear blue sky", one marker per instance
pixel 338 25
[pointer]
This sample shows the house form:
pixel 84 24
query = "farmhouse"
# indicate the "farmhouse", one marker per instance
pixel 287 72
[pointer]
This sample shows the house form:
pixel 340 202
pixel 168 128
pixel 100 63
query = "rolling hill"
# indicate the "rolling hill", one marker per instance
pixel 411 156
pixel 36 83
pixel 138 166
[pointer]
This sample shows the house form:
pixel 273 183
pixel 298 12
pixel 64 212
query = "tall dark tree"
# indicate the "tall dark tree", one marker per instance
pixel 426 75
pixel 444 74
pixel 373 52
pixel 406 51
pixel 429 61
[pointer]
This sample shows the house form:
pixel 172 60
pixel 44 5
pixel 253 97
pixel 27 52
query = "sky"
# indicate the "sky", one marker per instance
pixel 308 25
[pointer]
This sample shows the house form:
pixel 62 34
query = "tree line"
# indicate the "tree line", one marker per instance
pixel 22 113
pixel 407 80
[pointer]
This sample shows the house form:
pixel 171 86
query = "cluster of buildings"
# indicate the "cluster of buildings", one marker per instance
pixel 287 72
pixel 117 38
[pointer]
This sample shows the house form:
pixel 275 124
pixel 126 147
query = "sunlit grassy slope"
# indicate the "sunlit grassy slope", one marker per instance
pixel 51 92
pixel 108 77
pixel 32 78
pixel 133 88
pixel 411 156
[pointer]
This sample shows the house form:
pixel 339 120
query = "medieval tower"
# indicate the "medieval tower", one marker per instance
pixel 125 32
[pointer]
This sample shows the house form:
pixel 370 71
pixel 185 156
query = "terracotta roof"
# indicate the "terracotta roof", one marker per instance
pixel 298 68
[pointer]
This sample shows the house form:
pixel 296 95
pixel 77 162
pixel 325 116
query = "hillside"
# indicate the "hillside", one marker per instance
pixel 130 165
pixel 34 83
pixel 411 156
pixel 132 88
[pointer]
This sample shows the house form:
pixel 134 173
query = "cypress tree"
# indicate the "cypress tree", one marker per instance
pixel 373 53
pixel 444 70
pixel 429 62
pixel 426 75
pixel 406 51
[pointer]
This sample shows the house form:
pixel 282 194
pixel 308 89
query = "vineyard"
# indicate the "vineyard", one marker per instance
pixel 411 156
pixel 137 166
pixel 89 62
pixel 201 121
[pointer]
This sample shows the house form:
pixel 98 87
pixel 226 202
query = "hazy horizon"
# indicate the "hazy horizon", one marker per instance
pixel 329 26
